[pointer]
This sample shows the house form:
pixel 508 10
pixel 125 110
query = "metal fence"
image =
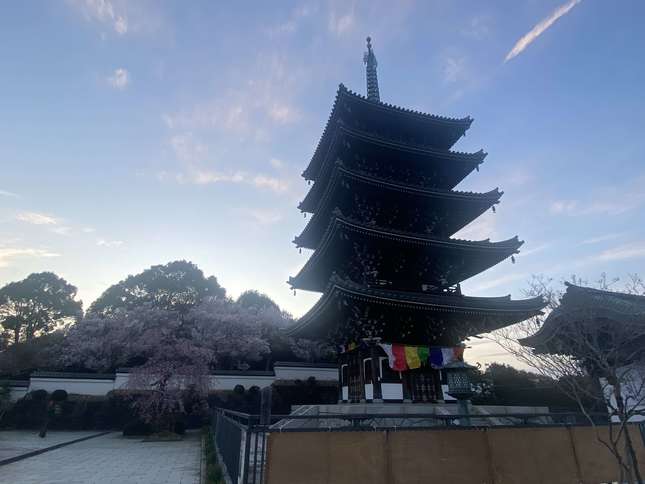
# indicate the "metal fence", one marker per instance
pixel 241 439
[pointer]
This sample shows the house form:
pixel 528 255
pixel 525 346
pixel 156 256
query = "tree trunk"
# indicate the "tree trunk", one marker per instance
pixel 633 470
pixel 631 454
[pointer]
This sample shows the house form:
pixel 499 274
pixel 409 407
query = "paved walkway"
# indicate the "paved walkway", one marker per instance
pixel 13 443
pixel 111 459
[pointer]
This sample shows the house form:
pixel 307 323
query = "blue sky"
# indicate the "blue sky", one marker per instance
pixel 135 133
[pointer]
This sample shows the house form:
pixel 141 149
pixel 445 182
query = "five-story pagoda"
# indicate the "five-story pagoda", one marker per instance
pixel 383 210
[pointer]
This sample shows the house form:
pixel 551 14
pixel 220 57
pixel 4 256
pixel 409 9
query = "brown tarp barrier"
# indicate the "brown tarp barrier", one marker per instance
pixel 524 455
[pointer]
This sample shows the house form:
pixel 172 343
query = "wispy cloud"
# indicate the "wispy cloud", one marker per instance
pixel 6 193
pixel 607 200
pixel 119 79
pixel 109 243
pixel 262 216
pixel 486 284
pixel 477 27
pixel 256 103
pixel 276 163
pixel 105 12
pixel 36 218
pixel 197 170
pixel 62 230
pixel 294 20
pixel 635 250
pixel 201 176
pixel 8 254
pixel 454 69
pixel 540 28
pixel 342 22
pixel 602 238
pixel 535 250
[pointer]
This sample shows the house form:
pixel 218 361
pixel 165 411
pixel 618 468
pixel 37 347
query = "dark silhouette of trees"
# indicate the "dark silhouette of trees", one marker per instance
pixel 252 298
pixel 176 286
pixel 37 305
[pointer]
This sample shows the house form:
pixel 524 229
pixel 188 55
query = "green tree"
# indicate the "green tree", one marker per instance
pixel 176 286
pixel 255 299
pixel 37 305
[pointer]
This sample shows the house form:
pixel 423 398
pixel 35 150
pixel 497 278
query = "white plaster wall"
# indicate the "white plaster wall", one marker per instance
pixel 121 381
pixel 633 390
pixel 16 393
pixel 79 386
pixel 302 373
pixel 86 386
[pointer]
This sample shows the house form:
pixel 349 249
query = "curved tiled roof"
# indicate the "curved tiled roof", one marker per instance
pixel 424 117
pixel 486 199
pixel 582 303
pixel 345 222
pixel 517 309
pixel 505 247
pixel 467 121
pixel 340 171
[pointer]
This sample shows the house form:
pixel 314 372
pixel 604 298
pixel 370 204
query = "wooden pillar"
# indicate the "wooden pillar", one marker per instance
pixel 377 394
pixel 437 386
pixel 361 367
pixel 340 378
pixel 407 391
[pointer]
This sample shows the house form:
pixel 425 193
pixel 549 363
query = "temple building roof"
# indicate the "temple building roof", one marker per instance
pixel 442 212
pixel 585 305
pixel 426 165
pixel 409 259
pixel 379 118
pixel 466 315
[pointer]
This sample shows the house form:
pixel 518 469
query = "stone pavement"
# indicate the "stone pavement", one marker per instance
pixel 13 443
pixel 111 459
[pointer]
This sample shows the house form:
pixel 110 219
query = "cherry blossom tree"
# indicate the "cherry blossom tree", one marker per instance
pixel 171 353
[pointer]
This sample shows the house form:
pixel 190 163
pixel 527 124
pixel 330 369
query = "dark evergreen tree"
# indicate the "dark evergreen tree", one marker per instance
pixel 177 286
pixel 37 305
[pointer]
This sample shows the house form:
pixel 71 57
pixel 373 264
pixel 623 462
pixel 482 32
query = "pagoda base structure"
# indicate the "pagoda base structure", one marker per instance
pixel 407 415
pixel 357 384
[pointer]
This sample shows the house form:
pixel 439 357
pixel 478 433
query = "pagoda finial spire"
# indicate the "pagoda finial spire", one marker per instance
pixel 372 80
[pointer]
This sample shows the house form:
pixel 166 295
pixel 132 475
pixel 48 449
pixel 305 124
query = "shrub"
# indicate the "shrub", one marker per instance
pixel 214 474
pixel 38 395
pixel 59 395
pixel 180 427
pixel 77 412
pixel 137 428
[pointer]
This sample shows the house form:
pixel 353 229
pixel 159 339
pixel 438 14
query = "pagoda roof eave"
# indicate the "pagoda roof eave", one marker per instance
pixel 506 247
pixel 343 222
pixel 344 93
pixel 434 118
pixel 338 128
pixel 517 310
pixel 492 196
